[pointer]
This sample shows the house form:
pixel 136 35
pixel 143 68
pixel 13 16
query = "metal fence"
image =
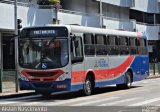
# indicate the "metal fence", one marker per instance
pixel 154 68
pixel 8 80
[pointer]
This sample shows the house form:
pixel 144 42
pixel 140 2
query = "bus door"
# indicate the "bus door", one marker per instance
pixel 77 61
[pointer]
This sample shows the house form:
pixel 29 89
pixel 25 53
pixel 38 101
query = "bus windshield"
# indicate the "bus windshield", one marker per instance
pixel 43 53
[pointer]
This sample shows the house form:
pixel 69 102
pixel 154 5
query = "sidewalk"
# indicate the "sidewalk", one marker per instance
pixel 151 76
pixel 11 92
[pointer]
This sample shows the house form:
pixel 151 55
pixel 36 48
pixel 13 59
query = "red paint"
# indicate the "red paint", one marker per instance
pixel 139 35
pixel 105 73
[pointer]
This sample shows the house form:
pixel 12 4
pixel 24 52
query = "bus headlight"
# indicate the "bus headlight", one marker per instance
pixel 22 77
pixel 61 77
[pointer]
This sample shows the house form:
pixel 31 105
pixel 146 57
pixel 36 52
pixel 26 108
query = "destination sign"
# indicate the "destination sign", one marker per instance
pixel 41 32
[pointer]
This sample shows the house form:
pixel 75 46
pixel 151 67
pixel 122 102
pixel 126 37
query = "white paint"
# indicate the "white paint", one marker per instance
pixel 70 101
pixel 145 102
pixel 118 102
pixel 95 101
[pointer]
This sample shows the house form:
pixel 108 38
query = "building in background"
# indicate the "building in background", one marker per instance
pixel 130 15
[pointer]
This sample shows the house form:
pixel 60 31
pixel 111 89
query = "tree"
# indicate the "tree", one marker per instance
pixel 54 1
pixel 50 2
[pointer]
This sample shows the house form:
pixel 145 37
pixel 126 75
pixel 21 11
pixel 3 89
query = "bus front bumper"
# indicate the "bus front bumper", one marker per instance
pixel 45 86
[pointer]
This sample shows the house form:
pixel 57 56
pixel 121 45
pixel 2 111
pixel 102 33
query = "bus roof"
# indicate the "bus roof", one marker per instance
pixel 84 29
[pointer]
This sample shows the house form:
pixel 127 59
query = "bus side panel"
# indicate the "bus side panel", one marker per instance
pixel 98 66
pixel 106 72
pixel 116 72
pixel 118 80
pixel 140 68
pixel 78 76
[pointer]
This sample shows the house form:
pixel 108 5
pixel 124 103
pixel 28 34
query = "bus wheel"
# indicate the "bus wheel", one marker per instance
pixel 88 86
pixel 128 82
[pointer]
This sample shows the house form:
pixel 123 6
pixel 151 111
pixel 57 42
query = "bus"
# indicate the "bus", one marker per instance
pixel 61 58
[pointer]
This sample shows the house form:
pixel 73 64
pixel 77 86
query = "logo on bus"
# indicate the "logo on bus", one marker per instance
pixel 44 65
pixel 101 63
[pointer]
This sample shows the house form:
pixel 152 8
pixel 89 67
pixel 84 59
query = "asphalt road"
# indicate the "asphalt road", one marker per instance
pixel 143 95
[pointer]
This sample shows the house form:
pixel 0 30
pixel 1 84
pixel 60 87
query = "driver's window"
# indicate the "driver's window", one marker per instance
pixel 78 47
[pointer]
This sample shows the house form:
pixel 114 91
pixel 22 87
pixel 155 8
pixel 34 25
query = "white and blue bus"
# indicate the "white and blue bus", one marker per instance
pixel 57 58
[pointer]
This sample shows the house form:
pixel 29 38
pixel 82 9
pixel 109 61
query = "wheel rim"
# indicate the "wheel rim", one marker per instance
pixel 129 82
pixel 88 87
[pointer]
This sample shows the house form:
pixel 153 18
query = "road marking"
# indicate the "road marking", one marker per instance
pixel 37 103
pixel 21 98
pixel 117 102
pixel 13 102
pixel 145 102
pixel 95 101
pixel 108 94
pixel 70 101
pixel 10 102
pixel 128 111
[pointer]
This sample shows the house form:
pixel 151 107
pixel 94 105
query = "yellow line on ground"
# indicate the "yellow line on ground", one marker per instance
pixel 118 92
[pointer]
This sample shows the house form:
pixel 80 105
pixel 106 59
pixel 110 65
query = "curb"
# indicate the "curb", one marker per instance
pixel 17 95
pixel 153 76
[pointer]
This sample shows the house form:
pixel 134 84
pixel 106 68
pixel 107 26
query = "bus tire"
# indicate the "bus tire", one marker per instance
pixel 128 82
pixel 88 86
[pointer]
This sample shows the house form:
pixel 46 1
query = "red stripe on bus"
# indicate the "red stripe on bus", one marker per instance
pixel 111 73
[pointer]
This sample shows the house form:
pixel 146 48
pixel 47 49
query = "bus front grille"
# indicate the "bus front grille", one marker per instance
pixel 42 74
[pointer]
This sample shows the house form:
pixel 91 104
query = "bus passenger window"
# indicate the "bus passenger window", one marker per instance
pixel 113 45
pixel 142 47
pixel 101 48
pixel 89 47
pixel 123 45
pixel 133 47
pixel 89 39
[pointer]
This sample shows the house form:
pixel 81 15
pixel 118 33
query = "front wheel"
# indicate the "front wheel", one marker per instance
pixel 88 86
